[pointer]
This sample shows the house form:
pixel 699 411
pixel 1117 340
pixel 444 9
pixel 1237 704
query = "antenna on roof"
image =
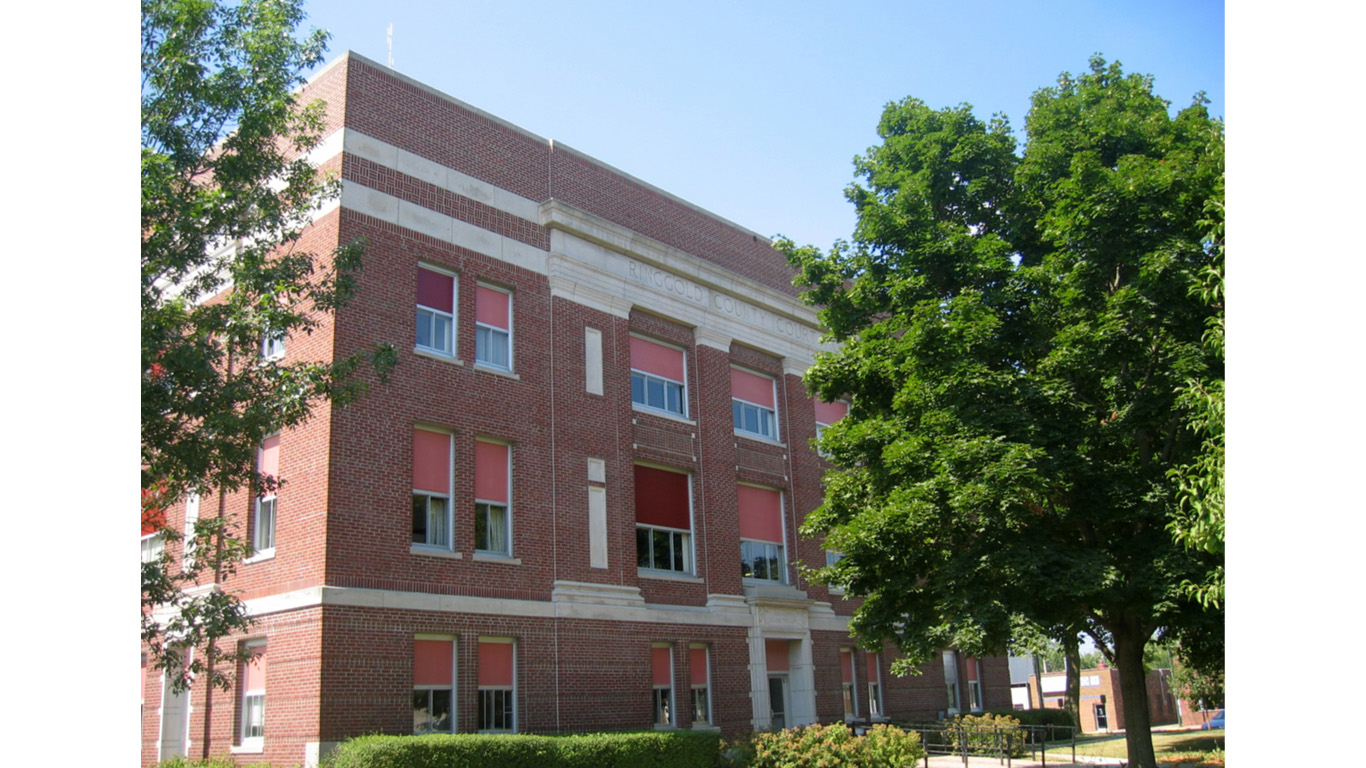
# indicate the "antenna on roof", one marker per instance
pixel 390 38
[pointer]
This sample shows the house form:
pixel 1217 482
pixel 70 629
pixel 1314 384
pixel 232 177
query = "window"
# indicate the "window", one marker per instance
pixel 253 679
pixel 663 520
pixel 492 494
pixel 153 546
pixel 761 534
pixel 263 523
pixel 497 691
pixel 951 680
pixel 974 683
pixel 273 345
pixel 847 683
pixel 827 414
pixel 658 377
pixel 662 673
pixel 753 404
pixel 191 519
pixel 833 556
pixel 699 677
pixel 776 655
pixel 433 685
pixel 493 328
pixel 431 488
pixel 874 686
pixel 435 311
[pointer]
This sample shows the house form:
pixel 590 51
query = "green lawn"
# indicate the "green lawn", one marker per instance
pixel 1164 743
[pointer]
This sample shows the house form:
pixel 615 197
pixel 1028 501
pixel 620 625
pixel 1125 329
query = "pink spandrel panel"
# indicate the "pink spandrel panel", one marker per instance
pixel 491 472
pixel 829 413
pixel 661 669
pixel 270 456
pixel 431 461
pixel 751 387
pixel 662 498
pixel 254 671
pixel 776 653
pixel 761 514
pixel 662 361
pixel 434 290
pixel 697 663
pixel 493 307
pixel 846 667
pixel 495 665
pixel 432 662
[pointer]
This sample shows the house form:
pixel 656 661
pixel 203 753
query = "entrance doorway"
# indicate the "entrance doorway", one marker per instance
pixel 777 700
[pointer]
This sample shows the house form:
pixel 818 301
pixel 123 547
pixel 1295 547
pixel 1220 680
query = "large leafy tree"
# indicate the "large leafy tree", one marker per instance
pixel 1016 334
pixel 227 193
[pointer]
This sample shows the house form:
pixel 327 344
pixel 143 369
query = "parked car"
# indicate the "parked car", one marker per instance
pixel 1216 722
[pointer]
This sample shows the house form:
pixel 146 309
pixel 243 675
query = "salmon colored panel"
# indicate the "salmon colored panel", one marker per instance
pixel 495 665
pixel 829 413
pixel 662 498
pixel 432 662
pixel 491 472
pixel 761 514
pixel 270 456
pixel 872 668
pixel 662 361
pixel 434 290
pixel 971 664
pixel 431 461
pixel 751 388
pixel 254 671
pixel 661 671
pixel 491 307
pixel 776 653
pixel 697 663
pixel 846 666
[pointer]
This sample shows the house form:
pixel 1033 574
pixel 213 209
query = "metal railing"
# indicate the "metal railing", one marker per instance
pixel 1005 743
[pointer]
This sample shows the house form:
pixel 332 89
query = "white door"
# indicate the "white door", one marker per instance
pixel 175 720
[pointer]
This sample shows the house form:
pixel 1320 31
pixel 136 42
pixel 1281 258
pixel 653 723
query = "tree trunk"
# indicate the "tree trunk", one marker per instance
pixel 1133 691
pixel 1071 662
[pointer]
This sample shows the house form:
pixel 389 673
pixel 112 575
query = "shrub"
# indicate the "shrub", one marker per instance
pixel 834 746
pixel 665 749
pixel 987 734
pixel 180 761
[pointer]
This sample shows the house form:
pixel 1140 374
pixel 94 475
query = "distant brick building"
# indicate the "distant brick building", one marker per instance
pixel 575 505
pixel 1102 710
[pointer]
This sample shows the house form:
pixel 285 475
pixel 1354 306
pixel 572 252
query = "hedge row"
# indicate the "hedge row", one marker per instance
pixel 670 749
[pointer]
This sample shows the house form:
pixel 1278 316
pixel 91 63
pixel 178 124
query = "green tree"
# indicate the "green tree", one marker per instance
pixel 226 195
pixel 1015 333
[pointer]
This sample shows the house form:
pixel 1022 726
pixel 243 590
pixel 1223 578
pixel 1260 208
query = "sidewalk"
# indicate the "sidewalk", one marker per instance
pixel 955 761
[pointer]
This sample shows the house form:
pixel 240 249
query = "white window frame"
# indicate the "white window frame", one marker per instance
pixel 191 518
pixel 705 721
pixel 952 692
pixel 975 701
pixel 479 353
pixel 682 412
pixel 685 546
pixel 445 498
pixel 782 561
pixel 486 507
pixel 662 696
pixel 511 692
pixel 454 702
pixel 272 345
pixel 265 511
pixel 433 315
pixel 849 690
pixel 153 546
pixel 875 706
pixel 833 556
pixel 253 701
pixel 768 416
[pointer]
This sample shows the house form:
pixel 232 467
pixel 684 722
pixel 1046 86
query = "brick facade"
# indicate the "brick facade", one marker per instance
pixel 590 258
pixel 1102 709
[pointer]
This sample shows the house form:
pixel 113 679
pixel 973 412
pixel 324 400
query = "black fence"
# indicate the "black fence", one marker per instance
pixel 1004 742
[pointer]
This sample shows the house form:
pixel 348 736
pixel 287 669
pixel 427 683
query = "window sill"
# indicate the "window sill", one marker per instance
pixel 265 554
pixel 667 576
pixel 665 727
pixel 489 557
pixel 505 373
pixel 670 415
pixel 432 354
pixel 760 439
pixel 253 747
pixel 418 549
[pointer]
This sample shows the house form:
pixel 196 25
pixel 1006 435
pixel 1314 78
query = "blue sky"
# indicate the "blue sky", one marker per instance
pixel 754 110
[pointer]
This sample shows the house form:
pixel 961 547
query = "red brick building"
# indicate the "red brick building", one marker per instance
pixel 1102 709
pixel 575 505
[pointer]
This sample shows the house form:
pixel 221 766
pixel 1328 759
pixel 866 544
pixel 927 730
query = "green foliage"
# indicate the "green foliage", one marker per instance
pixel 1203 688
pixel 834 746
pixel 665 749
pixel 226 195
pixel 1055 717
pixel 1016 334
pixel 987 734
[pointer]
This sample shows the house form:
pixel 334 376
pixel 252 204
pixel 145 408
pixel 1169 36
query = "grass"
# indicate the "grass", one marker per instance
pixel 1188 747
